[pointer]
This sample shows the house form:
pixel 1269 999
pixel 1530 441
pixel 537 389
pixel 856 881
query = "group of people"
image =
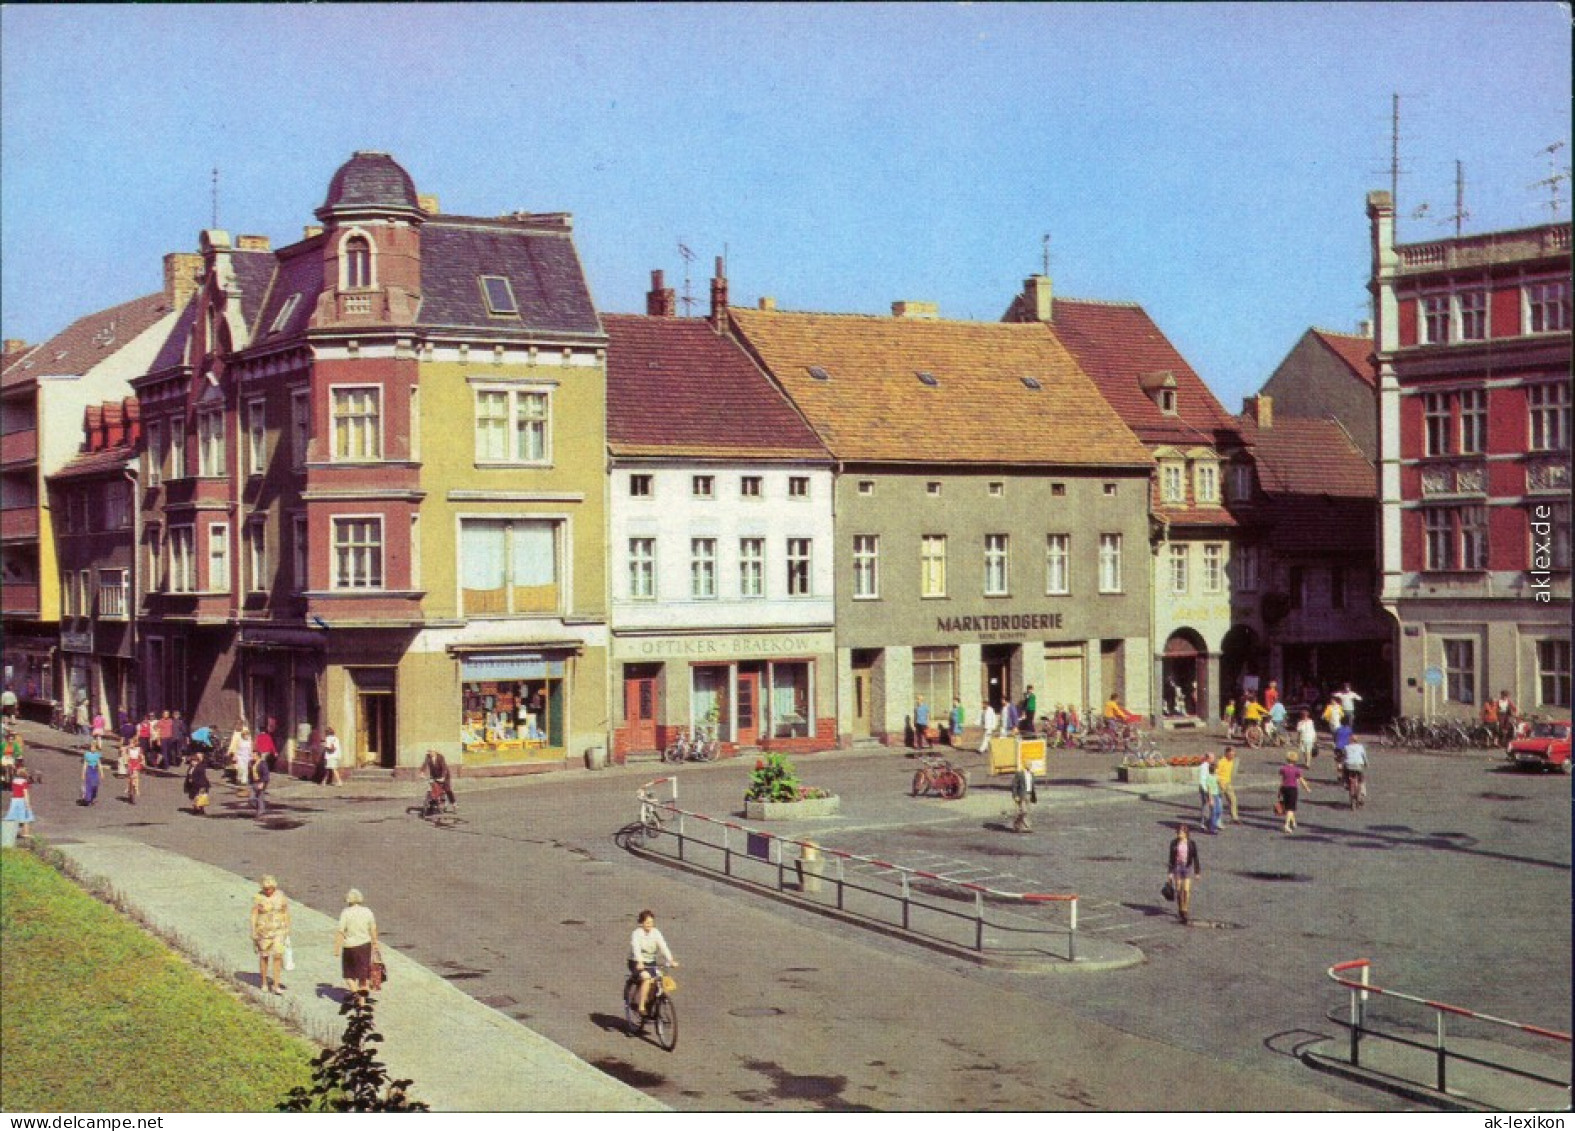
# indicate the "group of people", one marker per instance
pixel 1502 715
pixel 16 781
pixel 355 940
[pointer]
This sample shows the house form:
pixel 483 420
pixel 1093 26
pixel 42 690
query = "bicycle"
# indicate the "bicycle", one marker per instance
pixel 434 806
pixel 1259 734
pixel 705 746
pixel 649 826
pixel 678 749
pixel 939 776
pixel 659 1007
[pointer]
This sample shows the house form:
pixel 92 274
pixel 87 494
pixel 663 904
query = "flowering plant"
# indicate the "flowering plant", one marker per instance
pixel 774 779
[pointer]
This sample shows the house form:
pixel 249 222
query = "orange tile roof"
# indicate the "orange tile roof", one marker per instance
pixel 1307 456
pixel 87 341
pixel 874 406
pixel 1354 350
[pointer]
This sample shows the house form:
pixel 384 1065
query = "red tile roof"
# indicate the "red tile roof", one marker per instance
pixel 1354 350
pixel 1304 456
pixel 86 464
pixel 676 387
pixel 1118 344
pixel 86 342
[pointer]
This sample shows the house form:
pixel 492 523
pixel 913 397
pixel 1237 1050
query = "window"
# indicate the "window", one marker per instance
pixel 1246 560
pixel 158 574
pixel 866 486
pixel 1548 307
pixel 286 311
pixel 210 443
pixel 499 295
pixel 117 504
pixel 1460 671
pixel 639 486
pixel 996 577
pixel 1456 538
pixel 702 568
pixel 113 592
pixel 1553 673
pixel 299 561
pixel 183 566
pixel 1167 402
pixel 509 566
pixel 1240 482
pixel 751 567
pixel 749 487
pixel 642 568
pixel 1473 421
pixel 932 489
pixel 1435 419
pixel 256 557
pixel 1207 482
pixel 1473 527
pixel 85 592
pixel 1058 563
pixel 218 557
pixel 300 428
pixel 1173 483
pixel 996 490
pixel 1296 582
pixel 1213 567
pixel 1435 320
pixel 932 565
pixel 1178 567
pixel 798 486
pixel 358 262
pixel 256 437
pixel 68 589
pixel 1110 563
pixel 358 423
pixel 511 426
pixel 358 553
pixel 703 486
pixel 1438 530
pixel 1112 488
pixel 935 678
pixel 798 567
pixel 153 459
pixel 177 449
pixel 866 567
pixel 1473 315
pixel 1058 490
pixel 1549 409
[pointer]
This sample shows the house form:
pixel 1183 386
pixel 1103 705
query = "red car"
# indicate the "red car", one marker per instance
pixel 1546 746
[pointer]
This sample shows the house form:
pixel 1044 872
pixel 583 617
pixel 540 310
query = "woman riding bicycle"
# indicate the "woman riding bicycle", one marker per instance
pixel 646 947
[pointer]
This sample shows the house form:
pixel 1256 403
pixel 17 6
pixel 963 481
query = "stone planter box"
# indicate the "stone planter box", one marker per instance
pixel 791 810
pixel 1157 775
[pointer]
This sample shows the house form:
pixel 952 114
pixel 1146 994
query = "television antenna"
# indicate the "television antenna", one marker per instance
pixel 688 257
pixel 1046 254
pixel 215 223
pixel 1460 214
pixel 1556 177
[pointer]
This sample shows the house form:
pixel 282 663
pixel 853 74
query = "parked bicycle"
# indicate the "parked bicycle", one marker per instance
pixel 692 746
pixel 941 777
pixel 659 1008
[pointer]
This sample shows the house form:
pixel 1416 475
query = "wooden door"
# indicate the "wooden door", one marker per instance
pixel 375 729
pixel 748 708
pixel 862 683
pixel 639 711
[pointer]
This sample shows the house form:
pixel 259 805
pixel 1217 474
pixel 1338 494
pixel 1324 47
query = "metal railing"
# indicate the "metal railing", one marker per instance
pixel 1361 1028
pixel 760 858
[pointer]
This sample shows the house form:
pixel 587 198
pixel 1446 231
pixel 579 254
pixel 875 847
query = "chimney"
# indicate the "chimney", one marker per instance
pixel 311 230
pixel 14 345
pixel 1260 409
pixel 132 410
pixel 254 243
pixel 182 276
pixel 93 428
pixel 114 425
pixel 916 311
pixel 1364 328
pixel 660 301
pixel 428 203
pixel 719 295
pixel 767 302
pixel 1037 305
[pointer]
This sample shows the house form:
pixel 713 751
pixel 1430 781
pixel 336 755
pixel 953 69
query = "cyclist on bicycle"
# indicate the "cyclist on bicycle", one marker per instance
pixel 646 946
pixel 1355 770
pixel 439 775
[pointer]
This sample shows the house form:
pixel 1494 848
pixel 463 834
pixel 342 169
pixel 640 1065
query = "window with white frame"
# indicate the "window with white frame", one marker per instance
pixel 1434 311
pixel 1435 423
pixel 509 566
pixel 1213 567
pixel 182 559
pixel 357 262
pixel 642 569
pixel 1207 481
pixel 177 448
pixel 1178 567
pixel 798 486
pixel 997 577
pixel 1110 563
pixel 799 567
pixel 1173 483
pixel 358 422
pixel 1547 308
pixel 1553 673
pixel 117 504
pixel 1549 527
pixel 1460 671
pixel 749 486
pixel 357 552
pixel 218 557
pixel 512 426
pixel 866 567
pixel 1473 526
pixel 1246 564
pixel 932 565
pixel 639 486
pixel 1438 533
pixel 68 590
pixel 256 436
pixel 1473 421
pixel 210 444
pixel 114 591
pixel 300 428
pixel 1058 563
pixel 85 592
pixel 157 568
pixel 300 564
pixel 702 568
pixel 703 486
pixel 1240 481
pixel 256 556
pixel 751 568
pixel 1472 306
pixel 1548 407
pixel 153 456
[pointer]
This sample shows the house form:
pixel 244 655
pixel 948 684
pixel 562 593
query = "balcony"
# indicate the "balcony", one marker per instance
pixel 19 447
pixel 19 524
pixel 1485 250
pixel 18 600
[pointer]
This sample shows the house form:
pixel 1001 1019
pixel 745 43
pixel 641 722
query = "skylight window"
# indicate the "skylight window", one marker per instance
pixel 285 313
pixel 926 378
pixel 819 373
pixel 1032 383
pixel 499 295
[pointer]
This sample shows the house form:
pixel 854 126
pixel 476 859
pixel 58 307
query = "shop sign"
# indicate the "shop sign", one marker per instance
pixel 1001 623
pixel 73 641
pixel 722 647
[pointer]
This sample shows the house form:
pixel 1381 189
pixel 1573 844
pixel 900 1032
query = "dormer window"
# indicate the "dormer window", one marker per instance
pixel 499 295
pixel 1161 389
pixel 357 262
pixel 1167 401
pixel 285 312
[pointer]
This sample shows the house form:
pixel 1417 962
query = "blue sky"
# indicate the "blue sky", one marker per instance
pixel 1208 161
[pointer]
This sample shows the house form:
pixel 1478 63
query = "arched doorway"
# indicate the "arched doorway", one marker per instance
pixel 1184 674
pixel 1240 663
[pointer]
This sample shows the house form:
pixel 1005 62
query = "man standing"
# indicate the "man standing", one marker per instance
pixel 1205 793
pixel 1348 700
pixel 1225 771
pixel 1271 695
pixel 1010 716
pixel 1506 718
pixel 1030 709
pixel 177 742
pixel 261 775
pixel 921 724
pixel 988 719
pixel 8 703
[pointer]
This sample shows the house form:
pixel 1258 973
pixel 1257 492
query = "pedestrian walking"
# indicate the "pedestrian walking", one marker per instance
pixel 1183 864
pixel 265 747
pixel 261 777
pixel 331 757
pixel 1214 801
pixel 175 745
pixel 241 754
pixel 1506 718
pixel 92 773
pixel 167 757
pixel 956 722
pixel 84 721
pixel 355 942
pixel 1205 804
pixel 987 717
pixel 1226 773
pixel 21 808
pixel 1307 737
pixel 1355 770
pixel 1010 716
pixel 10 705
pixel 196 785
pixel 1342 739
pixel 921 724
pixel 131 759
pixel 1293 779
pixel 270 926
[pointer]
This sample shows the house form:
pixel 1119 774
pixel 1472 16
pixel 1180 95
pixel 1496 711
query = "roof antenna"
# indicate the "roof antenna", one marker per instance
pixel 1046 254
pixel 1555 177
pixel 689 257
pixel 1460 213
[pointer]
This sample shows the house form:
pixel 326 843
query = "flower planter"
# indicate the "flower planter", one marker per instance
pixel 791 810
pixel 1157 775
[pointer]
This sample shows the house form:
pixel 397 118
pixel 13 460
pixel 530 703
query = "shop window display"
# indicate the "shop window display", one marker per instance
pixel 512 715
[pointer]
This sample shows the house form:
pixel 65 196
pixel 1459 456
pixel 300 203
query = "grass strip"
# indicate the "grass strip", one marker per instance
pixel 97 1015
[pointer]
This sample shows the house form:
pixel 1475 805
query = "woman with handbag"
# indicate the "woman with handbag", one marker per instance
pixel 1184 865
pixel 197 783
pixel 355 941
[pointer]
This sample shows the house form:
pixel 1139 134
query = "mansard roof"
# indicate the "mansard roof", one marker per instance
pixel 370 180
pixel 539 261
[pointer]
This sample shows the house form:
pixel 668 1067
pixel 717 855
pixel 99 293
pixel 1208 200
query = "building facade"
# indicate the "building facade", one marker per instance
pixel 1473 346
pixel 1329 376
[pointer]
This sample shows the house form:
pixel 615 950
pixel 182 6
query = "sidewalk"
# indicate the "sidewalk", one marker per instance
pixel 461 1055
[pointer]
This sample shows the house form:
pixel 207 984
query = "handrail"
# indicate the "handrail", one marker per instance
pixel 1367 988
